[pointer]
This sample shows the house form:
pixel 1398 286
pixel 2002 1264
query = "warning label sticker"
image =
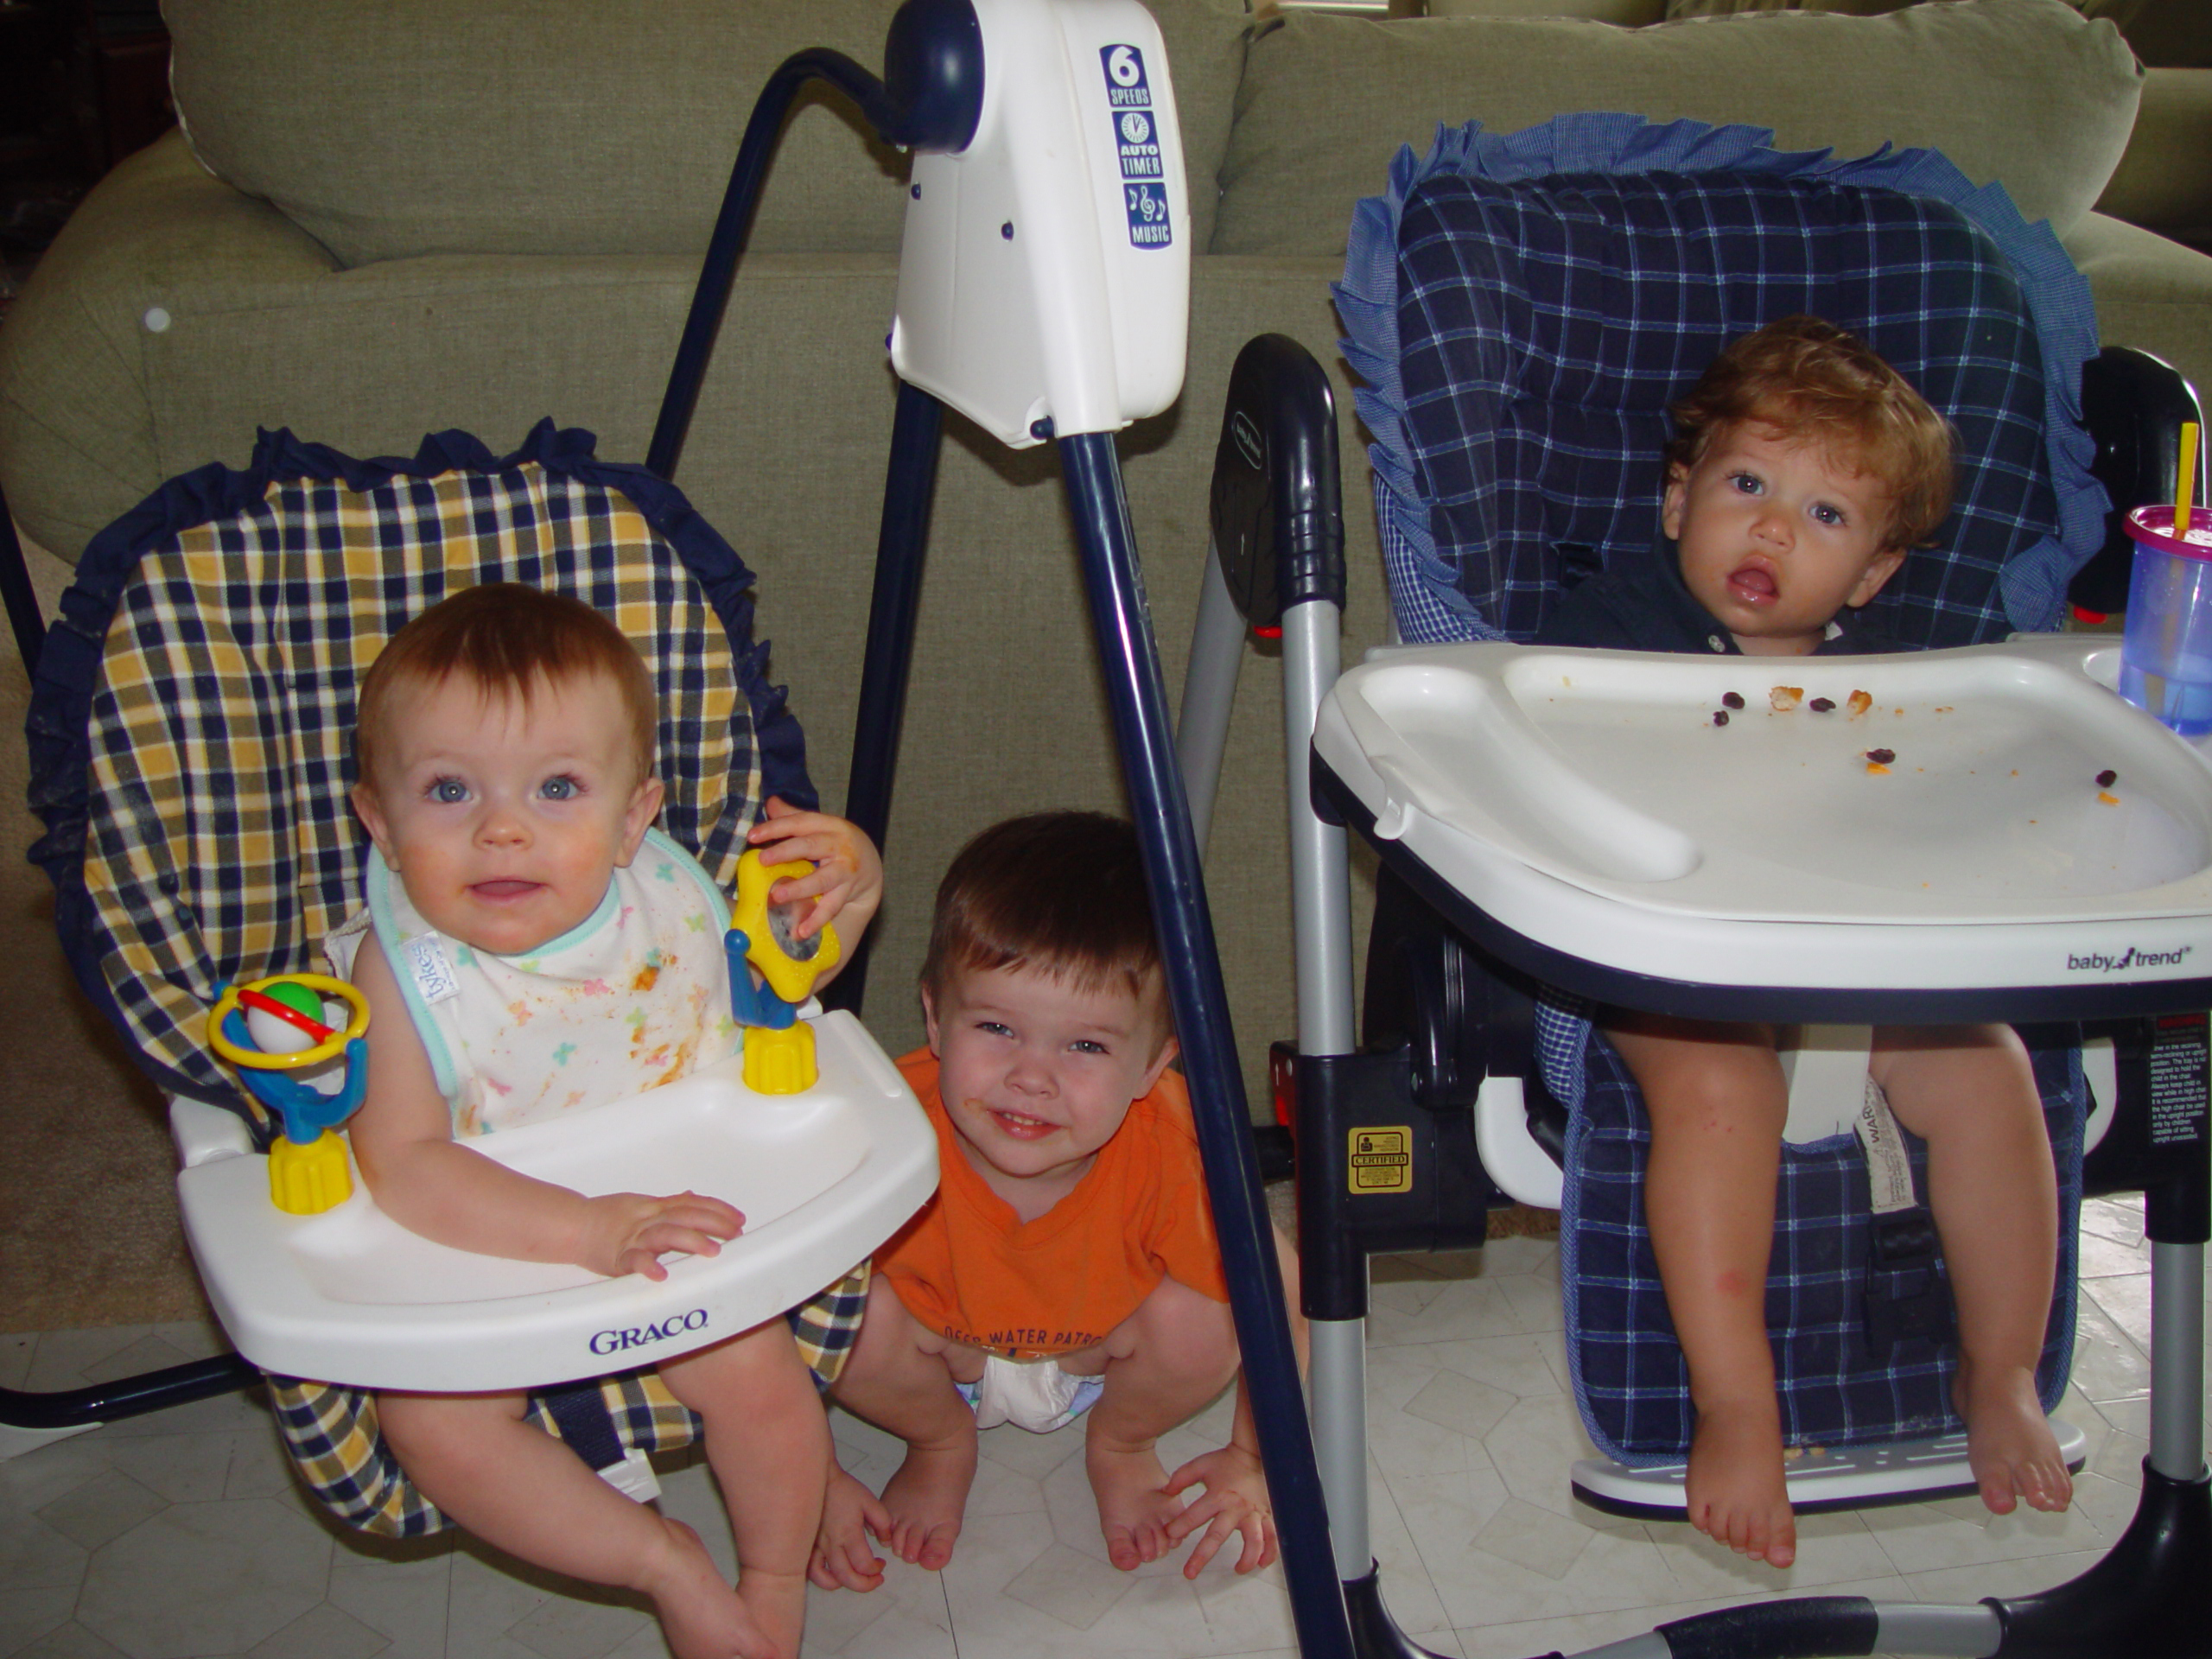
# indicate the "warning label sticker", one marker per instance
pixel 1383 1160
pixel 2181 1081
pixel 1137 143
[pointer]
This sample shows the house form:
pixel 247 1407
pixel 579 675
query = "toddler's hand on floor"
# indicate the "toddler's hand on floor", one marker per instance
pixel 1235 1501
pixel 848 876
pixel 841 1557
pixel 629 1232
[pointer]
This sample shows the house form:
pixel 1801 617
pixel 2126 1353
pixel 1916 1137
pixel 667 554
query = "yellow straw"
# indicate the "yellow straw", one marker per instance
pixel 2187 483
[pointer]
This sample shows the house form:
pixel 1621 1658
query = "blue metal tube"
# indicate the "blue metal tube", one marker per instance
pixel 909 485
pixel 1129 658
pixel 736 220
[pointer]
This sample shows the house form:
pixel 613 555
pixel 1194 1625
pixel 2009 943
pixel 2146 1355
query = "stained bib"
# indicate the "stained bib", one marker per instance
pixel 634 997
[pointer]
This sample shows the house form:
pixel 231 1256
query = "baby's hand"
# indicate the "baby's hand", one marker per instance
pixel 629 1232
pixel 847 876
pixel 1235 1501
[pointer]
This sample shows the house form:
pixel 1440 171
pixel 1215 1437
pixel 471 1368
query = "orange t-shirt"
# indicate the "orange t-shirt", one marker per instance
pixel 966 1268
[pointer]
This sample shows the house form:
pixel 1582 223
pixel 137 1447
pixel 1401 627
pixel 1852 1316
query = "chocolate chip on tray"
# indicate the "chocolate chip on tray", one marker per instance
pixel 1822 705
pixel 1720 716
pixel 1881 757
pixel 2106 778
pixel 1732 699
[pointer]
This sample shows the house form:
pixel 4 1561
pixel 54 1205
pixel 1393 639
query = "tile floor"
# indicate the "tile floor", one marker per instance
pixel 181 1533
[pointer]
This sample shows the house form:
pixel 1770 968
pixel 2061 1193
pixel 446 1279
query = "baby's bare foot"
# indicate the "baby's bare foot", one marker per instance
pixel 925 1500
pixel 1735 1491
pixel 2010 1446
pixel 702 1616
pixel 1133 1509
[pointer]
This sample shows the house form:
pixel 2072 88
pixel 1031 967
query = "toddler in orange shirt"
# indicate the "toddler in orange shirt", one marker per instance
pixel 1067 1263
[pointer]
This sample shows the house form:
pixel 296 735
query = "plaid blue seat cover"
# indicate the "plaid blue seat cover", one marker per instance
pixel 191 751
pixel 1523 309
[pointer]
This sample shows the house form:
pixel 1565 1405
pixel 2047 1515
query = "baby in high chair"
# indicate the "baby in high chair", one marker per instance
pixel 537 949
pixel 1802 469
pixel 1067 1262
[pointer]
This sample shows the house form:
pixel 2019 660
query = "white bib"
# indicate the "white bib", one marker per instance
pixel 634 997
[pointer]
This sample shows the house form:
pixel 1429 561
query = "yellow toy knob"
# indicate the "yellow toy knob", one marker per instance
pixel 790 965
pixel 307 1180
pixel 780 1062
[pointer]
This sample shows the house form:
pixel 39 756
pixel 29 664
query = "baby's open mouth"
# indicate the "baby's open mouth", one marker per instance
pixel 1752 584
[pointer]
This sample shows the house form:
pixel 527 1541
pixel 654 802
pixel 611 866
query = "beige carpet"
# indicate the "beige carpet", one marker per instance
pixel 88 1221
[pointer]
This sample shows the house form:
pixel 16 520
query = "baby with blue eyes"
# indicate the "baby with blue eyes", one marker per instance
pixel 529 946
pixel 1802 469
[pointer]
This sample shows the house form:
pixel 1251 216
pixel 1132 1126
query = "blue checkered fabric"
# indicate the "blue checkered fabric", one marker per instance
pixel 1523 309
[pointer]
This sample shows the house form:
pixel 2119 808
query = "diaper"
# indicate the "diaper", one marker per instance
pixel 1030 1394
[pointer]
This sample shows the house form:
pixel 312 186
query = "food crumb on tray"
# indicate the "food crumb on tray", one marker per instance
pixel 1860 703
pixel 1782 698
pixel 2107 799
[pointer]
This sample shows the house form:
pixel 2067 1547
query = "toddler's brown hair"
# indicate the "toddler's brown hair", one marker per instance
pixel 1814 383
pixel 1062 893
pixel 509 640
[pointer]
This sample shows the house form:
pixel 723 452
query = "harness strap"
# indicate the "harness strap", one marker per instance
pixel 1907 1294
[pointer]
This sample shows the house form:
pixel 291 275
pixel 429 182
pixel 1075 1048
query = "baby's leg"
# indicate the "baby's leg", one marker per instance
pixel 519 1489
pixel 1718 1101
pixel 768 1442
pixel 1160 1366
pixel 899 1377
pixel 1970 1093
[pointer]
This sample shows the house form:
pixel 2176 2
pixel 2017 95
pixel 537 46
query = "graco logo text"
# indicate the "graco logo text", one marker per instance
pixel 640 1336
pixel 2097 962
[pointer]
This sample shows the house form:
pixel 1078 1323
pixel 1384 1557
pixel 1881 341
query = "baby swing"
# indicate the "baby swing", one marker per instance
pixel 1522 308
pixel 193 722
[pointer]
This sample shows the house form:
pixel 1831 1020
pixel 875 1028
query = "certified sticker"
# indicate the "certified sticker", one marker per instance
pixel 1136 145
pixel 1382 1159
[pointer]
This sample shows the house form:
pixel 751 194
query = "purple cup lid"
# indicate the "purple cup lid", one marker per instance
pixel 2154 527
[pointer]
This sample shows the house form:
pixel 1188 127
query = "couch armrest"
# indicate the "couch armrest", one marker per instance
pixel 2165 179
pixel 77 441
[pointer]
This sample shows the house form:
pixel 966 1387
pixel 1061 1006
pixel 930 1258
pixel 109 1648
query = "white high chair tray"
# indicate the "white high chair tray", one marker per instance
pixel 350 1296
pixel 1586 800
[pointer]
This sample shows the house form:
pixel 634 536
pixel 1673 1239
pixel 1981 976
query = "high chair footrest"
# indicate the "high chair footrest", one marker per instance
pixel 1834 1477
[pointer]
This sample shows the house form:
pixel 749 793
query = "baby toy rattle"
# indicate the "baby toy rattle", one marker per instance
pixel 278 1033
pixel 778 1048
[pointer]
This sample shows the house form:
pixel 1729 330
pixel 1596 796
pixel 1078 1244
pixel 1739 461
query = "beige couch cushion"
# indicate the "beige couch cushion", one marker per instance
pixel 391 129
pixel 2022 91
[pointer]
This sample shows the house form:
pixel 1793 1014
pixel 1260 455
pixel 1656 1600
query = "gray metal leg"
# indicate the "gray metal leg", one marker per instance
pixel 1209 694
pixel 1320 864
pixel 1336 1385
pixel 2178 1360
pixel 1321 916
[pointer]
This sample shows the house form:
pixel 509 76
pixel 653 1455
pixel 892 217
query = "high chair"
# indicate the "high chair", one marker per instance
pixel 1521 310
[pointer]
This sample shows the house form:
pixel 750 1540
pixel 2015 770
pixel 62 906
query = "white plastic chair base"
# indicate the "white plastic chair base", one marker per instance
pixel 1839 1478
pixel 350 1296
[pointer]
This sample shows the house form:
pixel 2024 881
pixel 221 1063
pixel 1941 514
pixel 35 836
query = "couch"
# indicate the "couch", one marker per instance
pixel 386 217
